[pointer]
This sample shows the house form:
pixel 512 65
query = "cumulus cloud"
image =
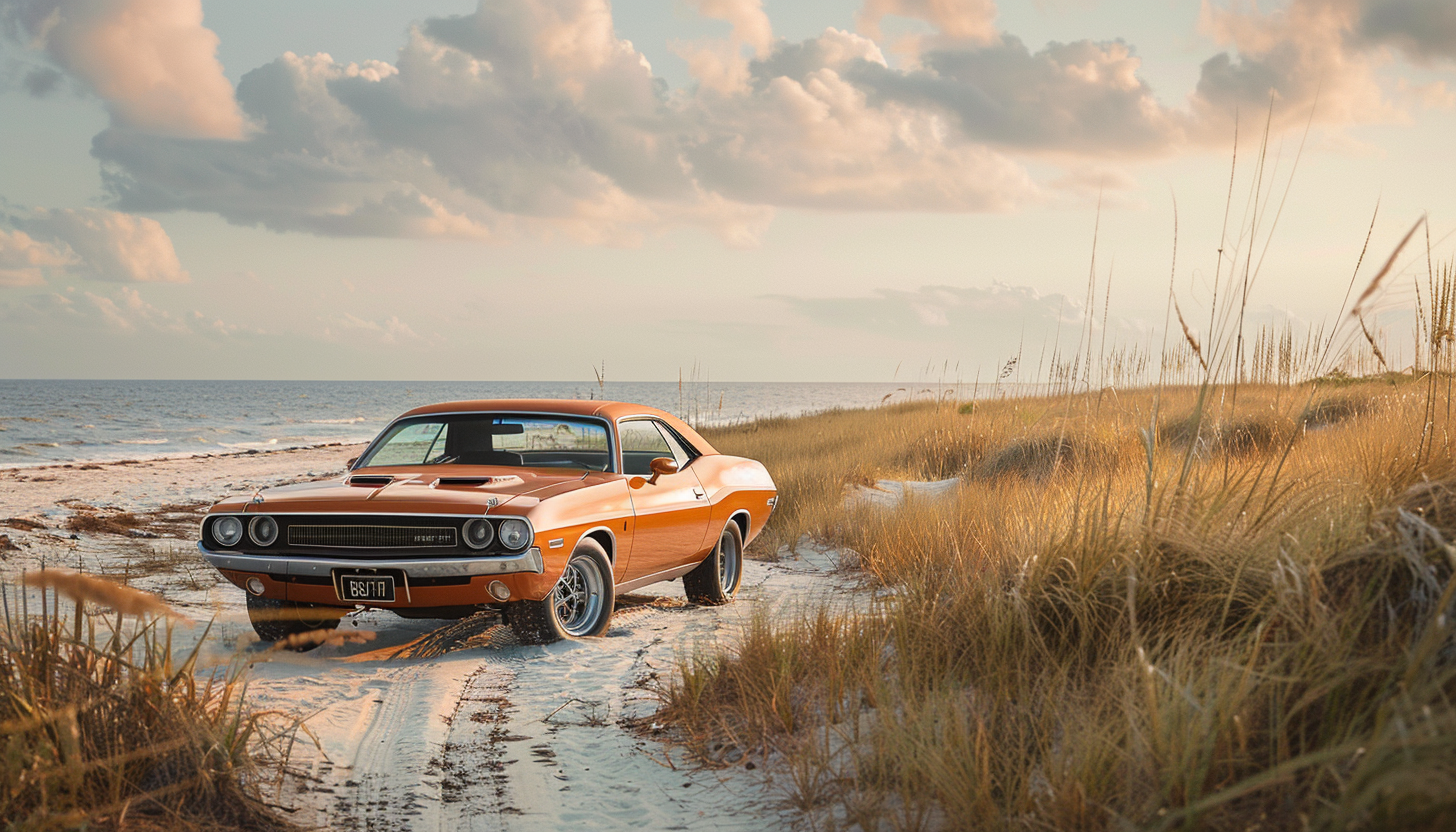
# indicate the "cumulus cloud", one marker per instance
pixel 533 116
pixel 808 135
pixel 25 261
pixel 1082 97
pixel 750 24
pixel 87 242
pixel 1295 54
pixel 521 112
pixel 720 65
pixel 973 21
pixel 1325 50
pixel 152 61
pixel 1423 29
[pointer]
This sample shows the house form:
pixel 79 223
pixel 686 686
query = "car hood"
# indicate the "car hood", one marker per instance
pixel 411 490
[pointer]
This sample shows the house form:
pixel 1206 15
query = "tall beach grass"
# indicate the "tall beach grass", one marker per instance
pixel 1097 638
pixel 1220 600
pixel 104 725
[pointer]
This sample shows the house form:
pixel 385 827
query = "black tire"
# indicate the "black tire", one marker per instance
pixel 716 579
pixel 580 606
pixel 275 620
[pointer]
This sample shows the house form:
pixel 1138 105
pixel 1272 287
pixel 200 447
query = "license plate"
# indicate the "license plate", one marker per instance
pixel 366 587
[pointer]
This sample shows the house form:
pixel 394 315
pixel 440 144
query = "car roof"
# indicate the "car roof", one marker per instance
pixel 571 407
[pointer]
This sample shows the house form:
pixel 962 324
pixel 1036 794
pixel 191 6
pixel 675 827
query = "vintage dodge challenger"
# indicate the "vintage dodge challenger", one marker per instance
pixel 543 509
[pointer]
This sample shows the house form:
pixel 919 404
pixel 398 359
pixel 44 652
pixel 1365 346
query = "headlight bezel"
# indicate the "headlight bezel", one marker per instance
pixel 527 533
pixel 227 521
pixel 262 521
pixel 481 522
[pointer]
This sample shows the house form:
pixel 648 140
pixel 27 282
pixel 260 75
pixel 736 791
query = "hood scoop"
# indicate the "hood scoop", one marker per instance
pixel 476 482
pixel 375 480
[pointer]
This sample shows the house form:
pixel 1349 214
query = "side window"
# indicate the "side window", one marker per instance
pixel 678 452
pixel 642 442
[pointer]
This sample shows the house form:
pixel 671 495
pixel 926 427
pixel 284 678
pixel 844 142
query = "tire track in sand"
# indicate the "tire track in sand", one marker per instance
pixel 546 733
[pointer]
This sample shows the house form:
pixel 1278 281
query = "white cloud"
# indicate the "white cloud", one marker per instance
pixel 815 138
pixel 123 311
pixel 389 330
pixel 750 24
pixel 25 261
pixel 127 311
pixel 104 245
pixel 972 21
pixel 1328 51
pixel 1299 54
pixel 533 117
pixel 1081 98
pixel 151 61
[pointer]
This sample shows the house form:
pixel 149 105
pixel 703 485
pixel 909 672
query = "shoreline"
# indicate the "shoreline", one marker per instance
pixel 91 464
pixel 52 494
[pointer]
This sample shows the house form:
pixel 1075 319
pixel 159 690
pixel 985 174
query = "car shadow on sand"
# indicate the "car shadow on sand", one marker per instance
pixel 396 638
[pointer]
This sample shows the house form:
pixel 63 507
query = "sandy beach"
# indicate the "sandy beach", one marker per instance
pixel 431 724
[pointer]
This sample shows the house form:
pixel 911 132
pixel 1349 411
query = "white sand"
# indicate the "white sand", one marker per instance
pixel 896 493
pixel 489 735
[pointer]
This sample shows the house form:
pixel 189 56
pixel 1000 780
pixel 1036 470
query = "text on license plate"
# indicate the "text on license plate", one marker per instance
pixel 366 587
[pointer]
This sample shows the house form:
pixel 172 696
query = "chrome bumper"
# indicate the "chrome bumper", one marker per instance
pixel 527 561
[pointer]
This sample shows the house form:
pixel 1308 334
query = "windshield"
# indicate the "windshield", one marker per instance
pixel 513 440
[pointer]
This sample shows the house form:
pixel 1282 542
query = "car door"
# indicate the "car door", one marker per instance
pixel 671 514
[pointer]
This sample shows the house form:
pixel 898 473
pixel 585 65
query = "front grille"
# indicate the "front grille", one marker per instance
pixel 372 537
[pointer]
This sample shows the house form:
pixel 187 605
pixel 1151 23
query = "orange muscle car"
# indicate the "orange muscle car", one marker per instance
pixel 543 509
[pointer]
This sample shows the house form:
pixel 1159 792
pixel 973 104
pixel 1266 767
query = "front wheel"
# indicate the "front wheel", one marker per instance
pixel 716 579
pixel 275 620
pixel 579 607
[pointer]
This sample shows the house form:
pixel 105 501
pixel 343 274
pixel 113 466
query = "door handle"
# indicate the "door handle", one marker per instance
pixel 698 492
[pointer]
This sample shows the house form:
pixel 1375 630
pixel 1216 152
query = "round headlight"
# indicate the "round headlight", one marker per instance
pixel 478 533
pixel 263 530
pixel 227 531
pixel 515 534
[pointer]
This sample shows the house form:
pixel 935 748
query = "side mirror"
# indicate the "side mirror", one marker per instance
pixel 350 463
pixel 661 465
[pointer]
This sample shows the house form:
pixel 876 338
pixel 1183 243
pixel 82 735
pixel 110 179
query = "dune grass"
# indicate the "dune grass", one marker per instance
pixel 104 726
pixel 1139 610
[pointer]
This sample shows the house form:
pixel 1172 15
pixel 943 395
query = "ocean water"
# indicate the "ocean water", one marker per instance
pixel 44 422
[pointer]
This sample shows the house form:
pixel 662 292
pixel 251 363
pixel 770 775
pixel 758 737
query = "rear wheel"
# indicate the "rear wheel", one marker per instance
pixel 275 620
pixel 717 578
pixel 579 607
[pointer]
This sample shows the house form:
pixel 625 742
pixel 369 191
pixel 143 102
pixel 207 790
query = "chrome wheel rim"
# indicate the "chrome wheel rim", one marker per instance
pixel 578 596
pixel 728 562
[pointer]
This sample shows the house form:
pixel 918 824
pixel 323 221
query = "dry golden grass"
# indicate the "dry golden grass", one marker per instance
pixel 102 726
pixel 1189 616
pixel 114 523
pixel 84 588
pixel 315 638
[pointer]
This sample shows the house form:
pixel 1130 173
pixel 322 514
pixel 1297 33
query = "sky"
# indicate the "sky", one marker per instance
pixel 746 190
